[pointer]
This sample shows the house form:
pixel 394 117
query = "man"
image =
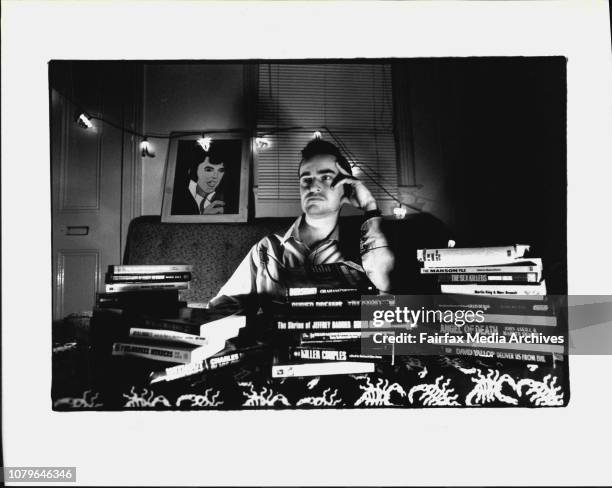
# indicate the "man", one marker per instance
pixel 203 195
pixel 326 183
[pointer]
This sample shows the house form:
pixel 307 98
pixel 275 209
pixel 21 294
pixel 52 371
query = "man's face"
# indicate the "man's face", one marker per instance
pixel 210 175
pixel 316 195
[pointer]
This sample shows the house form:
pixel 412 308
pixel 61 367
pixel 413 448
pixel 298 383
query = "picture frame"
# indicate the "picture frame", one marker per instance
pixel 206 186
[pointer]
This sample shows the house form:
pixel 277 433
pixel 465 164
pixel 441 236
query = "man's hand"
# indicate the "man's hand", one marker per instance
pixel 360 196
pixel 216 207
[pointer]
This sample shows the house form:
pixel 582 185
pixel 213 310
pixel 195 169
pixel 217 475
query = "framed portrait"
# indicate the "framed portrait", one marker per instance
pixel 206 185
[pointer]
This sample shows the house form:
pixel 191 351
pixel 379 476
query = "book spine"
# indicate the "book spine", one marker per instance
pixel 156 323
pixel 339 303
pixel 494 329
pixel 538 289
pixel 485 352
pixel 306 337
pixel 119 287
pixel 147 278
pixel 472 255
pixel 322 369
pixel 340 324
pixel 320 292
pixel 213 363
pixel 178 371
pixel 149 268
pixel 330 354
pixel 499 306
pixel 160 353
pixel 519 319
pixel 533 266
pixel 486 277
pixel 168 335
pixel 226 327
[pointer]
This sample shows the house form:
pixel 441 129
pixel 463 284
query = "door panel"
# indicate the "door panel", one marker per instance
pixel 87 184
pixel 76 279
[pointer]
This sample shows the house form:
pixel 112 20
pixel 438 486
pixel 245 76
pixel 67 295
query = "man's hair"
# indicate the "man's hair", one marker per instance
pixel 319 147
pixel 215 154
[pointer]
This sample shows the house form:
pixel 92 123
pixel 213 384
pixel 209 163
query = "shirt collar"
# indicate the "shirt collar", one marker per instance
pixel 294 231
pixel 193 189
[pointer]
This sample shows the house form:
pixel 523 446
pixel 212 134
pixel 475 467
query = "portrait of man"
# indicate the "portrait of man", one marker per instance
pixel 206 181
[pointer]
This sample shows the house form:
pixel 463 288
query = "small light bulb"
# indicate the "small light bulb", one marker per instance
pixel 145 149
pixel 316 135
pixel 204 142
pixel 399 212
pixel 262 142
pixel 84 121
pixel 451 243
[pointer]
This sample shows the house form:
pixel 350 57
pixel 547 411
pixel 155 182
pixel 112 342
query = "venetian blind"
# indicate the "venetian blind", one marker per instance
pixel 354 101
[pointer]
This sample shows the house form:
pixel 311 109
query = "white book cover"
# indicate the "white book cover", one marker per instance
pixel 503 291
pixel 472 256
pixel 168 335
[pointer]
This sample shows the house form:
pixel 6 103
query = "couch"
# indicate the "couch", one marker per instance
pixel 215 250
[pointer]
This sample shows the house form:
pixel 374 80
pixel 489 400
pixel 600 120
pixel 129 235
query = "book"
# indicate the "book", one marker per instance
pixel 331 304
pixel 495 329
pixel 338 337
pixel 167 335
pixel 321 368
pixel 522 291
pixel 147 278
pixel 110 324
pixel 333 324
pixel 208 324
pixel 133 296
pixel 322 353
pixel 504 278
pixel 533 265
pixel 477 256
pixel 166 351
pixel 521 346
pixel 520 319
pixel 342 279
pixel 485 352
pixel 231 355
pixel 149 268
pixel 155 302
pixel 119 287
pixel 511 305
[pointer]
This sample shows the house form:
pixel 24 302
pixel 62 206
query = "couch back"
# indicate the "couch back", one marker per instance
pixel 215 250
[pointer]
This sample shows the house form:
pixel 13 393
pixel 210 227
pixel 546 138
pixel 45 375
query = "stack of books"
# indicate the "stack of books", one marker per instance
pixel 318 326
pixel 148 288
pixel 140 316
pixel 504 288
pixel 171 348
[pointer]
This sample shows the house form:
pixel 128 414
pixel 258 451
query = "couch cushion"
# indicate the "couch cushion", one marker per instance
pixel 214 250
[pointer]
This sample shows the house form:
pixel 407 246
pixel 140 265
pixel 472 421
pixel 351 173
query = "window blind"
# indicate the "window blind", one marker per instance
pixel 354 101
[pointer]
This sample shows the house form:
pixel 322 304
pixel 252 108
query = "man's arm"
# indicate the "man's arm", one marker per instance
pixel 241 285
pixel 377 258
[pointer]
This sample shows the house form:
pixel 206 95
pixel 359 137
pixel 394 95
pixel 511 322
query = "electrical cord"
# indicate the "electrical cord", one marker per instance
pixel 372 175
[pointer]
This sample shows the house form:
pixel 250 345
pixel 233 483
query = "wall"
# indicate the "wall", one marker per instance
pixel 487 139
pixel 186 97
pixel 489 149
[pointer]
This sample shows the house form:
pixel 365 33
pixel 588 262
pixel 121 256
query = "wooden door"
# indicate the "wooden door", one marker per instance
pixel 95 176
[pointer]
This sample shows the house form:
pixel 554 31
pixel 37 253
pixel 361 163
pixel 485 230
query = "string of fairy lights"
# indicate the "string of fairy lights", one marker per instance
pixel 262 142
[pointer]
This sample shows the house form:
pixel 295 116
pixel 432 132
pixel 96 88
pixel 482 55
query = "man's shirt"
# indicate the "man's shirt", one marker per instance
pixel 193 189
pixel 260 272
